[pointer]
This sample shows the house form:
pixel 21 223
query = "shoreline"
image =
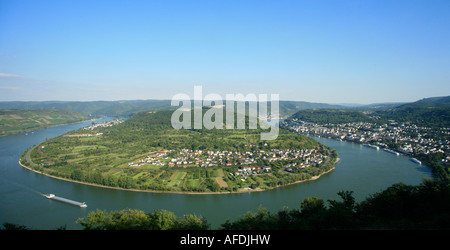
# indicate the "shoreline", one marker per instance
pixel 173 192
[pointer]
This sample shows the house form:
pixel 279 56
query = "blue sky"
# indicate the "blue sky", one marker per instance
pixel 318 51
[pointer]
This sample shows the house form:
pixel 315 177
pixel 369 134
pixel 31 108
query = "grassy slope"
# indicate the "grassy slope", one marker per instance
pixel 17 121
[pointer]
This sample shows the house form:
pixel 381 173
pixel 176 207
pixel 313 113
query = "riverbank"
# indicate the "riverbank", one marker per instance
pixel 25 121
pixel 50 126
pixel 428 162
pixel 247 190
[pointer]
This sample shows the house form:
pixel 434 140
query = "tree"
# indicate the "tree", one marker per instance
pixel 313 213
pixel 191 222
pixel 162 220
pixel 129 219
pixel 261 220
pixel 341 214
pixel 134 219
pixel 11 226
pixel 312 205
pixel 98 220
pixel 77 175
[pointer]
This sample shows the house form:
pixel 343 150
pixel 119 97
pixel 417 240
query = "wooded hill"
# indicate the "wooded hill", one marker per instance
pixel 430 112
pixel 17 121
pixel 333 116
pixel 127 108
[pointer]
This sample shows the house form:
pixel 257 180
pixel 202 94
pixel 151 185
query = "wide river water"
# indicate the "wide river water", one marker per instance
pixel 360 169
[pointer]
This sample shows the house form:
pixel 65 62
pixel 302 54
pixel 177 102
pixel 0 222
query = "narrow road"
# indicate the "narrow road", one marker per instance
pixel 27 156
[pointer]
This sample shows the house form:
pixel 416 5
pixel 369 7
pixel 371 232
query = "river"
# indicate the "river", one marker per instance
pixel 360 169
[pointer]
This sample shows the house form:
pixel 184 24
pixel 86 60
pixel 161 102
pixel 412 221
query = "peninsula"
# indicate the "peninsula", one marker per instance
pixel 144 153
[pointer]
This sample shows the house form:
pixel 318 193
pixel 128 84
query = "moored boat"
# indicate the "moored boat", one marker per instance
pixel 416 161
pixel 391 151
pixel 372 146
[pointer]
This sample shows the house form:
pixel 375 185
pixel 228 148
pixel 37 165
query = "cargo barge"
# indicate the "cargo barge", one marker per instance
pixel 64 200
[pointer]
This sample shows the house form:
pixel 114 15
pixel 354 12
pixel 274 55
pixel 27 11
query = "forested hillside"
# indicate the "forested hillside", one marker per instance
pixel 17 121
pixel 334 116
pixel 131 107
pixel 93 108
pixel 429 112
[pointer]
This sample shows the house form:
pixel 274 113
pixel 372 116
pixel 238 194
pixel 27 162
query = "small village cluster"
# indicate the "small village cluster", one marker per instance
pixel 246 161
pixel 104 124
pixel 95 126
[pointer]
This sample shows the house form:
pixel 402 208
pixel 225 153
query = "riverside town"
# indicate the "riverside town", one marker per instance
pixel 401 137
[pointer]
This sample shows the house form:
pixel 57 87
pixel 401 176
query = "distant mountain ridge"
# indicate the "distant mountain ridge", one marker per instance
pixel 131 107
pixel 434 112
pixel 93 108
pixel 431 102
pixel 287 108
pixel 428 112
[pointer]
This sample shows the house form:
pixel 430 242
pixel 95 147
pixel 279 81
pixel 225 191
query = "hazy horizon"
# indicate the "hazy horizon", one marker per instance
pixel 168 99
pixel 281 100
pixel 334 52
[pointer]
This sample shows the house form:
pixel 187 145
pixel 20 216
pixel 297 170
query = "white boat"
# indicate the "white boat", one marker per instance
pixel 71 202
pixel 416 161
pixel 391 151
pixel 372 146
